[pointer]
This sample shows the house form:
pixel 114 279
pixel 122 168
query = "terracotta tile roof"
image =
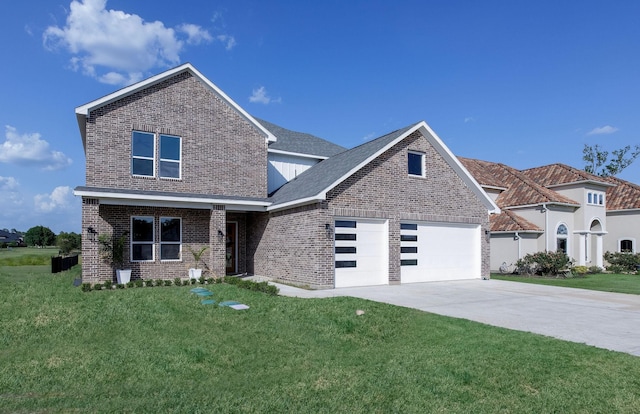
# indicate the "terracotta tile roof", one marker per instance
pixel 624 196
pixel 553 174
pixel 520 189
pixel 507 220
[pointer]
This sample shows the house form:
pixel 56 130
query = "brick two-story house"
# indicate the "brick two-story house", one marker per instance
pixel 173 162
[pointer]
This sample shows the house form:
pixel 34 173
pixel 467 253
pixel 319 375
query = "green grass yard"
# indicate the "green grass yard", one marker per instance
pixel 159 350
pixel 603 282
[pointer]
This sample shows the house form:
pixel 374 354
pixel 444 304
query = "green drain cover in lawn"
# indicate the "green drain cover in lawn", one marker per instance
pixel 204 293
pixel 199 289
pixel 208 302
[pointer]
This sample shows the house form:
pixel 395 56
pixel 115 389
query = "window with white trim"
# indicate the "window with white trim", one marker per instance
pixel 562 234
pixel 142 239
pixel 626 246
pixel 143 154
pixel 595 198
pixel 170 159
pixel 415 163
pixel 170 238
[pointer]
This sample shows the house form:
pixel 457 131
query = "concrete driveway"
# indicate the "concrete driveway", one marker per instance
pixel 605 320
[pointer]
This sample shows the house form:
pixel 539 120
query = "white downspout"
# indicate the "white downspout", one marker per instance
pixel 519 246
pixel 546 226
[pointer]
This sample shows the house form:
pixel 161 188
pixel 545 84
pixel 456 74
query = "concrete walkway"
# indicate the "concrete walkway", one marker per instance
pixel 605 320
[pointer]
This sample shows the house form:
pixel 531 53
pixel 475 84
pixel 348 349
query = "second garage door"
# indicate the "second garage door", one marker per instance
pixel 361 252
pixel 439 251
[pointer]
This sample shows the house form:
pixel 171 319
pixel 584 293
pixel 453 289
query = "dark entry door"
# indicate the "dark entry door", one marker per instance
pixel 232 248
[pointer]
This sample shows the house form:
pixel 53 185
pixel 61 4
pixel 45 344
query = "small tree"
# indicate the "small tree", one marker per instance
pixel 112 249
pixel 598 162
pixel 39 236
pixel 68 242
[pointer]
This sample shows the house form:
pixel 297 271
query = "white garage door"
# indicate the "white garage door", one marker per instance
pixel 361 252
pixel 439 251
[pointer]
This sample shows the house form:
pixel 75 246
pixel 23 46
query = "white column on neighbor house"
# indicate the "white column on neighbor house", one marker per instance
pixel 599 252
pixel 582 250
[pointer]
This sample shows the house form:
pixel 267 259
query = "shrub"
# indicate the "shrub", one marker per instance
pixel 130 284
pixel 192 281
pixel 186 282
pixel 177 281
pixel 622 262
pixel 86 287
pixel 543 263
pixel 168 282
pixel 97 286
pixel 138 283
pixel 580 270
pixel 201 280
pixel 108 285
pixel 148 282
pixel 159 282
pixel 594 270
pixel 120 286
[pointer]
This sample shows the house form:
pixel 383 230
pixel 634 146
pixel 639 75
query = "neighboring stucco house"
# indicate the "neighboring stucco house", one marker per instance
pixel 558 207
pixel 176 163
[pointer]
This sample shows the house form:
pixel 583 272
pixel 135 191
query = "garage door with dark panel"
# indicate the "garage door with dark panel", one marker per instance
pixel 439 251
pixel 361 252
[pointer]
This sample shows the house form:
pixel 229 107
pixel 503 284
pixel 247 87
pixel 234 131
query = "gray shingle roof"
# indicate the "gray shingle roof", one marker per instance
pixel 323 175
pixel 300 142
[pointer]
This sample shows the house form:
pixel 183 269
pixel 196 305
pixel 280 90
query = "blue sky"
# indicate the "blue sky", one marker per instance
pixel 525 83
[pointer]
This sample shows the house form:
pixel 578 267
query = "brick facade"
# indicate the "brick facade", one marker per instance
pixel 222 153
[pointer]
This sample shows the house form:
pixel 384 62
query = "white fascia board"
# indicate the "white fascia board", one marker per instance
pixel 297 203
pixel 518 231
pixel 170 201
pixel 624 210
pixel 493 187
pixel 547 203
pixel 583 182
pixel 297 154
pixel 82 112
pixel 455 163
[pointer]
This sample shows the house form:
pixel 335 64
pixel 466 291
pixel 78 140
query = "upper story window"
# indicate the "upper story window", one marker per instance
pixel 415 163
pixel 170 156
pixel 595 198
pixel 143 153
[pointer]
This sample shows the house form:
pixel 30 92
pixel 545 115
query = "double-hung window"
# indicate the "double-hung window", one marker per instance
pixel 142 237
pixel 170 156
pixel 170 238
pixel 142 154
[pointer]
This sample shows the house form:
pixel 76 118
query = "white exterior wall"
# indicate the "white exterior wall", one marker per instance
pixel 283 168
pixel 622 225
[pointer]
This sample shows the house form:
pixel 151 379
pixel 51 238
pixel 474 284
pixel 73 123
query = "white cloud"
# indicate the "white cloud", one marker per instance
pixel 469 119
pixel 229 41
pixel 369 136
pixel 605 130
pixel 30 150
pixel 260 95
pixel 195 33
pixel 8 183
pixel 60 198
pixel 115 47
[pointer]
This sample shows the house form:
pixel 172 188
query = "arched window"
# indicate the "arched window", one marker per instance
pixel 561 238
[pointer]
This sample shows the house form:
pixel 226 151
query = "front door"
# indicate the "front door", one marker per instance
pixel 232 248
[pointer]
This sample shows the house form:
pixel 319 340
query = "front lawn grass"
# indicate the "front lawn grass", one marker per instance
pixel 603 282
pixel 159 350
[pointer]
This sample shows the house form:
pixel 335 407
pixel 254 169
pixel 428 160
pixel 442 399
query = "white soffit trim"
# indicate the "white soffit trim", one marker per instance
pixel 170 201
pixel 82 112
pixel 295 203
pixel 297 154
pixel 583 182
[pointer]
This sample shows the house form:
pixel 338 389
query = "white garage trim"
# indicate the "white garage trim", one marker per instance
pixel 361 251
pixel 439 251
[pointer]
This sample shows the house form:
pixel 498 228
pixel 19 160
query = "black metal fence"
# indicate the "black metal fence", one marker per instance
pixel 60 264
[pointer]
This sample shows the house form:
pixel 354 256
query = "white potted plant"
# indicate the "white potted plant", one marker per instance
pixel 112 252
pixel 196 272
